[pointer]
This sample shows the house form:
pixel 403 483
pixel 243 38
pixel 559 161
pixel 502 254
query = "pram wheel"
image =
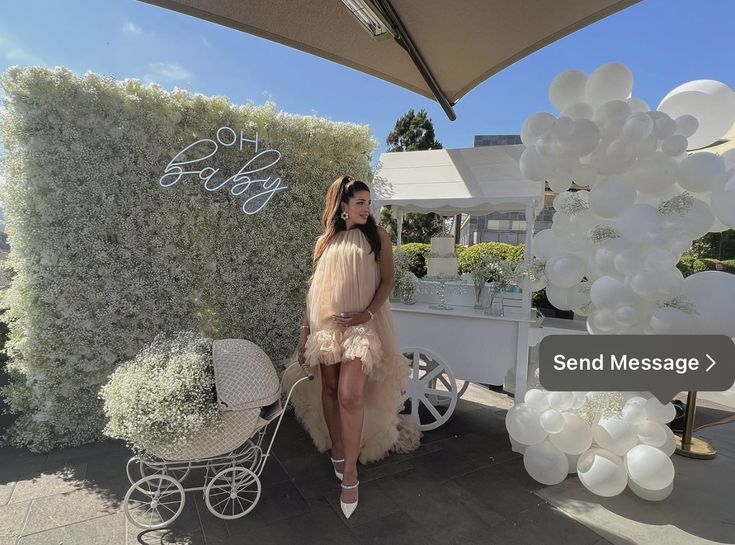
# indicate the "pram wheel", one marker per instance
pixel 232 493
pixel 154 501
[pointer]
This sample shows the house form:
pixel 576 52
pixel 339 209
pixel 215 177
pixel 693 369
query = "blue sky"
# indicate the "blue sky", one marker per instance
pixel 664 42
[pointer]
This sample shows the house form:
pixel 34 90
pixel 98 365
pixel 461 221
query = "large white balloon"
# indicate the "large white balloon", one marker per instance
pixel 602 472
pixel 546 463
pixel 651 495
pixel 711 102
pixel 699 171
pixel 649 467
pixel 673 321
pixel 723 202
pixel 713 295
pixel 612 81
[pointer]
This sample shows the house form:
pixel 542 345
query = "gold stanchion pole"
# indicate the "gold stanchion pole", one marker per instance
pixel 686 444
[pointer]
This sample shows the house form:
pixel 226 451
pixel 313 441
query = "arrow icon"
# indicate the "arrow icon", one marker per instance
pixel 713 363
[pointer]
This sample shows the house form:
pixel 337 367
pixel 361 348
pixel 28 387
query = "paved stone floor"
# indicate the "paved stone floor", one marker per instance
pixel 464 485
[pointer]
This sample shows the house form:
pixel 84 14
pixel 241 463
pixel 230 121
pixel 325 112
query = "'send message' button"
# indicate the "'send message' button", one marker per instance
pixel 661 364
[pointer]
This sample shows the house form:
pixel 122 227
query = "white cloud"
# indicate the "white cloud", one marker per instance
pixel 167 72
pixel 13 52
pixel 21 56
pixel 206 43
pixel 132 28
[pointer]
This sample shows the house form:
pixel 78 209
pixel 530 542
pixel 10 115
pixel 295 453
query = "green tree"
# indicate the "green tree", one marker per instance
pixel 414 131
pixel 714 245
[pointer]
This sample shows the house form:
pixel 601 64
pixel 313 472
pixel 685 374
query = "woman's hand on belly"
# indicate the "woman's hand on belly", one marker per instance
pixel 347 319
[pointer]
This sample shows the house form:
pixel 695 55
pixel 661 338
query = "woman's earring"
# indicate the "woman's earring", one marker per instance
pixel 344 215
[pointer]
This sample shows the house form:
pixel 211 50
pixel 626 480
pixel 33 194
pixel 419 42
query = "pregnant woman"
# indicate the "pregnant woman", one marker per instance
pixel 348 342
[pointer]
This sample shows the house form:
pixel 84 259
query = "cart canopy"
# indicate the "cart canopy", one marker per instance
pixel 475 181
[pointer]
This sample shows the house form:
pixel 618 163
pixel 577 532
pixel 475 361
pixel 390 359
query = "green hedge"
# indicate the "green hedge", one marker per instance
pixel 689 265
pixel 472 255
pixel 467 256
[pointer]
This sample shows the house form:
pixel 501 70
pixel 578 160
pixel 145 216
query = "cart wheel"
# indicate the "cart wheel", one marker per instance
pixel 463 389
pixel 431 384
pixel 154 501
pixel 178 470
pixel 232 493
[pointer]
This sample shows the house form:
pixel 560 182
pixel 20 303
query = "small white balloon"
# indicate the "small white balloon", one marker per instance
pixel 523 425
pixel 654 173
pixel 674 145
pixel 537 399
pixel 615 434
pixel 567 88
pixel 659 260
pixel 561 401
pixel 686 125
pixel 613 81
pixel 651 433
pixel 609 197
pixel 634 410
pixel 546 463
pixel 663 127
pixel 575 437
pixel 638 126
pixel 565 269
pixel 578 110
pixel 649 467
pixel 638 105
pixel 552 421
pixel 602 472
pixel 535 166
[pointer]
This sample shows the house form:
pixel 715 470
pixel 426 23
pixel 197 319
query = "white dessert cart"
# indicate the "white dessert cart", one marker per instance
pixel 463 343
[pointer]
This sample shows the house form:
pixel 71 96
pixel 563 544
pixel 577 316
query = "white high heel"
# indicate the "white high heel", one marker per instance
pixel 349 508
pixel 335 461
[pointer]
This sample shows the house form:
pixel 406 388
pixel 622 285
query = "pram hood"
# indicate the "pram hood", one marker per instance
pixel 244 375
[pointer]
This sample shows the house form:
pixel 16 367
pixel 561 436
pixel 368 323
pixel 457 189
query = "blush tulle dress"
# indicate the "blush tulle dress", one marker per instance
pixel 346 279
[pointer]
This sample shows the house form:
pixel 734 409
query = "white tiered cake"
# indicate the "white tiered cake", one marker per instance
pixel 442 259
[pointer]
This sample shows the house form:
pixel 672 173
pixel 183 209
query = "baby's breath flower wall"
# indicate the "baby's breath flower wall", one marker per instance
pixel 104 258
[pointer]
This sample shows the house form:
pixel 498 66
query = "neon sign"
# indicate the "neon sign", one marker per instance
pixel 258 189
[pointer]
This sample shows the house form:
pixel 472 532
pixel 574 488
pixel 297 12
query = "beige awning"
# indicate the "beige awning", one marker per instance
pixel 440 49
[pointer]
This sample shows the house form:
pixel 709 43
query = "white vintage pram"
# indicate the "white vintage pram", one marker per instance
pixel 231 457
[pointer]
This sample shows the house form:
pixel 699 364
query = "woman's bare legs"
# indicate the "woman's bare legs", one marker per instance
pixel 351 404
pixel 330 404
